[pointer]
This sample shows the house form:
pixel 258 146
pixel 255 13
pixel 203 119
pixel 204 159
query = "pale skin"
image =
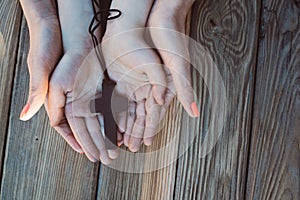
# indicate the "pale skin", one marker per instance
pixel 59 42
pixel 148 61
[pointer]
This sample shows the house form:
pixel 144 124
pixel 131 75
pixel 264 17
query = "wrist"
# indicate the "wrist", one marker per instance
pixel 134 13
pixel 175 7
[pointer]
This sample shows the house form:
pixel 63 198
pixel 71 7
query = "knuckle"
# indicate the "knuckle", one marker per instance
pixel 33 90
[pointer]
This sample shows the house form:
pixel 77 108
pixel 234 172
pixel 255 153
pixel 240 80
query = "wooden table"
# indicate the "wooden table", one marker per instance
pixel 256 46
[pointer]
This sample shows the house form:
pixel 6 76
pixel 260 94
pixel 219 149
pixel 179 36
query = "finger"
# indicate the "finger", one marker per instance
pixel 55 103
pixel 120 139
pixel 138 128
pixel 155 114
pixel 39 71
pixel 81 133
pixel 130 122
pixel 65 131
pixel 173 49
pixel 94 129
pixel 121 121
pixel 181 74
pixel 45 51
pixel 157 78
pixel 63 128
pixel 152 120
pixel 142 92
pixel 55 107
pixel 170 94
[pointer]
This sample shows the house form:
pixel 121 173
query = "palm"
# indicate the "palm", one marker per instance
pixel 127 65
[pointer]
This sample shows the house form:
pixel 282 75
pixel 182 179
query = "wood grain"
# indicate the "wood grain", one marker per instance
pixel 38 162
pixel 10 16
pixel 229 32
pixel 274 168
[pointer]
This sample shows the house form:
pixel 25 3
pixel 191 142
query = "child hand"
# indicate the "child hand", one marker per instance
pixel 125 49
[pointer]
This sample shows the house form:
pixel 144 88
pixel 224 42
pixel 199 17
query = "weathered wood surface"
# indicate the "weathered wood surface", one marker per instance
pixel 228 29
pixel 10 20
pixel 274 167
pixel 256 46
pixel 38 163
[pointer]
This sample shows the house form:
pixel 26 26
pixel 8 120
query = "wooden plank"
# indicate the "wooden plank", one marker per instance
pixel 38 163
pixel 153 185
pixel 10 16
pixel 274 168
pixel 229 31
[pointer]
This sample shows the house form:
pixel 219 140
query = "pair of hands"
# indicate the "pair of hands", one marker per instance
pixel 59 43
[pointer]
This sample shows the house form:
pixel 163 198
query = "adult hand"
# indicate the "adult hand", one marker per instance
pixel 44 54
pixel 64 99
pixel 71 43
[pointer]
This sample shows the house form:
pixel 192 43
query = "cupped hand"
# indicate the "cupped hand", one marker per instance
pixel 45 51
pixel 154 83
pixel 60 52
pixel 167 23
pixel 66 105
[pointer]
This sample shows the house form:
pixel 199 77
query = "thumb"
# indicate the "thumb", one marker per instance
pixel 42 59
pixel 173 49
pixel 180 70
pixel 38 88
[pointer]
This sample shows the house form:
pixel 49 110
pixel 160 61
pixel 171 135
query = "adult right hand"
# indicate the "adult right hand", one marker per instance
pixel 44 54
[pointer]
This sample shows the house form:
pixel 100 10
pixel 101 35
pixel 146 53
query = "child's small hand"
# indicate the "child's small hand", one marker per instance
pixel 129 56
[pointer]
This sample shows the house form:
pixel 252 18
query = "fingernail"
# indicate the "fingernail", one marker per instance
pixel 24 111
pixel 133 149
pixel 195 110
pixel 120 143
pixel 148 142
